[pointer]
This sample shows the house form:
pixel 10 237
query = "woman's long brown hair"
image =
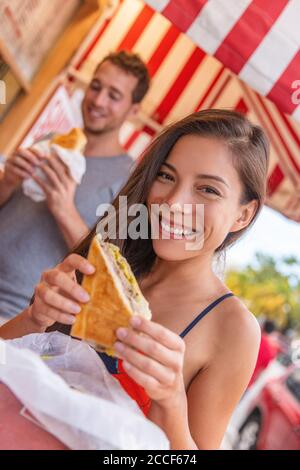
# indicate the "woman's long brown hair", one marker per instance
pixel 248 146
pixel 246 143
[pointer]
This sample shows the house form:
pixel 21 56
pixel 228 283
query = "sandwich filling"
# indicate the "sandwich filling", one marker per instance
pixel 123 272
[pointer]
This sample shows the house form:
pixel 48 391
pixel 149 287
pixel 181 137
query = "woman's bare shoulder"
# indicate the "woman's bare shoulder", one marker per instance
pixel 238 327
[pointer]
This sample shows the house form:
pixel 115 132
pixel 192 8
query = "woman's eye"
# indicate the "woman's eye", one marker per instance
pixel 114 97
pixel 165 176
pixel 209 190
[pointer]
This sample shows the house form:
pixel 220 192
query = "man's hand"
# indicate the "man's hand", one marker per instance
pixel 59 189
pixel 18 167
pixel 21 165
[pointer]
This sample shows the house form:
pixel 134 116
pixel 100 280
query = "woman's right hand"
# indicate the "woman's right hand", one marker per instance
pixel 58 295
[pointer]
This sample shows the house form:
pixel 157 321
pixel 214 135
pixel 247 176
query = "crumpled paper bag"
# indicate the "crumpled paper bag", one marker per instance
pixel 74 160
pixel 70 392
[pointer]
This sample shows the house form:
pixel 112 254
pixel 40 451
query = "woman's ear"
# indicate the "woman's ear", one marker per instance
pixel 245 216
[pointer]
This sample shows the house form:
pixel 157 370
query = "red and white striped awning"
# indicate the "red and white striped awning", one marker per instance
pixel 185 78
pixel 259 40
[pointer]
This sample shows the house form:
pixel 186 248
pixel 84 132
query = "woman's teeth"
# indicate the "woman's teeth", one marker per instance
pixel 176 231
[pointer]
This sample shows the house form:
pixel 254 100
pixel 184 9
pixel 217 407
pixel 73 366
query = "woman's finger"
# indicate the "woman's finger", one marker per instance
pixel 53 315
pixel 158 332
pixel 145 380
pixel 150 347
pixel 145 364
pixel 66 284
pixel 54 299
pixel 78 263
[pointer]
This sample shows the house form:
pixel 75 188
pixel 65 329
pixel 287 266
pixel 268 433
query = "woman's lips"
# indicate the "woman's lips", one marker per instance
pixel 175 233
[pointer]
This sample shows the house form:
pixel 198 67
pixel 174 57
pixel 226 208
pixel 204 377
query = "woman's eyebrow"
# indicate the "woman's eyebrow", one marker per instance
pixel 169 166
pixel 202 175
pixel 213 177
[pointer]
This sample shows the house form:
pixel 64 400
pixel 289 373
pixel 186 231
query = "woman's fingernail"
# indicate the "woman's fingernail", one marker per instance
pixel 71 320
pixel 84 296
pixel 122 333
pixel 119 347
pixel 90 269
pixel 75 308
pixel 135 321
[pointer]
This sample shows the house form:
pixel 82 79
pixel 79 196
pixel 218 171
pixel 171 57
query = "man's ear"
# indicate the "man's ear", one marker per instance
pixel 245 216
pixel 134 109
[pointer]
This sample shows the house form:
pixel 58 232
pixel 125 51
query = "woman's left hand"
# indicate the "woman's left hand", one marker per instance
pixel 153 356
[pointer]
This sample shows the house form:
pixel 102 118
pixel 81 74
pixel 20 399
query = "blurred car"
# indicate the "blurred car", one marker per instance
pixel 273 423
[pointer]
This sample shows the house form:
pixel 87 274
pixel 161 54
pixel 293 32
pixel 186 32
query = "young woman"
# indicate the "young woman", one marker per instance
pixel 195 358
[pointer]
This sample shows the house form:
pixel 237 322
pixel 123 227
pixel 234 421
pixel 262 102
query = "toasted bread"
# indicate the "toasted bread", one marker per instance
pixel 115 298
pixel 73 140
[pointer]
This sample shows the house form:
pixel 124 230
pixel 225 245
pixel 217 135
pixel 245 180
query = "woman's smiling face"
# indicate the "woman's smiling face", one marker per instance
pixel 199 171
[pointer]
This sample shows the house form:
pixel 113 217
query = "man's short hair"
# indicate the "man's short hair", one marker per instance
pixel 132 64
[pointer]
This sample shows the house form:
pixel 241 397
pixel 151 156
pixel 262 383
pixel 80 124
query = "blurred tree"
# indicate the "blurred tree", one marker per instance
pixel 269 288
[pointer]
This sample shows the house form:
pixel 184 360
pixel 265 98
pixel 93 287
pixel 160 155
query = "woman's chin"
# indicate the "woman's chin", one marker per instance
pixel 171 250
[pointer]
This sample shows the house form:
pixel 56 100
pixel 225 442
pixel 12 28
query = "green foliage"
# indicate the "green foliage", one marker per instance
pixel 269 288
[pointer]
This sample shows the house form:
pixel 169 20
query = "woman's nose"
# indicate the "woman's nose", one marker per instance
pixel 178 199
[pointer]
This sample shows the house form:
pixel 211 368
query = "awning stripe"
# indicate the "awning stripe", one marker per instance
pixel 242 106
pixel 214 22
pixel 282 87
pixel 240 43
pixel 136 29
pixel 183 15
pixel 211 85
pixel 163 49
pixel 275 179
pixel 275 52
pixel 273 132
pixel 291 129
pixel 278 133
pixel 258 39
pixel 179 85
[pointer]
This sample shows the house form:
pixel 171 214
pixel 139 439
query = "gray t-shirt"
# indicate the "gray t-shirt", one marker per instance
pixel 30 240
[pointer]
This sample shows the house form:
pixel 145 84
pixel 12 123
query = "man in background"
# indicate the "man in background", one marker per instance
pixel 37 235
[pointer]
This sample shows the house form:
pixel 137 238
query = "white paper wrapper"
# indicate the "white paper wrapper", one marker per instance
pixel 74 160
pixel 73 396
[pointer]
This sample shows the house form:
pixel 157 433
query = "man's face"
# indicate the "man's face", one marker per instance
pixel 108 99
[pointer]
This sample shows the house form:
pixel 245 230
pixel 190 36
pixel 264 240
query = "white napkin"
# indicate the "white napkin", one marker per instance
pixel 73 395
pixel 74 160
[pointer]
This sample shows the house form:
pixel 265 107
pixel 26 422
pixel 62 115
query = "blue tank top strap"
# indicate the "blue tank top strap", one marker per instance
pixel 205 312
